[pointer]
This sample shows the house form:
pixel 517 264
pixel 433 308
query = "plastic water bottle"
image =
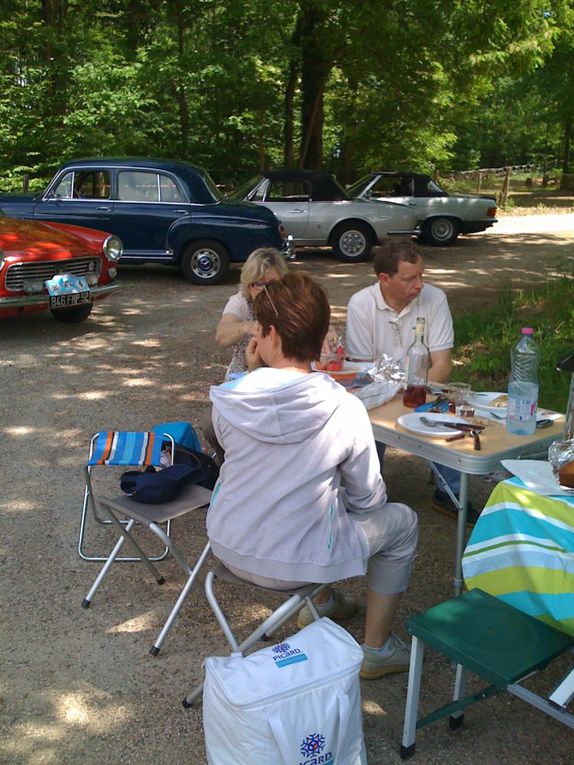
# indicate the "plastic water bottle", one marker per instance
pixel 523 386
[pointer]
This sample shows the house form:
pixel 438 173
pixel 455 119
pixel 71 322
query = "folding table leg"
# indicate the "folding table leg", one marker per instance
pixel 413 696
pixel 192 575
pixel 461 533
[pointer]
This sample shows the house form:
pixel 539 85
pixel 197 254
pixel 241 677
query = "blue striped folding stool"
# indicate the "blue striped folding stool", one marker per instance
pixel 115 448
pixel 142 449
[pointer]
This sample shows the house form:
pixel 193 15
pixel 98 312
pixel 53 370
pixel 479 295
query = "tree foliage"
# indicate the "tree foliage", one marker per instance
pixel 236 85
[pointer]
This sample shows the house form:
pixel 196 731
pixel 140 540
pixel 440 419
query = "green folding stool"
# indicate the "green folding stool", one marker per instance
pixel 486 636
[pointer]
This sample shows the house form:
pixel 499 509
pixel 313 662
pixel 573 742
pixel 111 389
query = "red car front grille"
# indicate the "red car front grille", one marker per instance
pixel 18 273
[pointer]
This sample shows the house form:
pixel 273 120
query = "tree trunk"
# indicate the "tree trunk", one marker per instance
pixel 567 140
pixel 55 56
pixel 180 93
pixel 288 130
pixel 290 87
pixel 316 64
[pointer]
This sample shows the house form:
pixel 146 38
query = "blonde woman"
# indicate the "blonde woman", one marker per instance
pixel 238 325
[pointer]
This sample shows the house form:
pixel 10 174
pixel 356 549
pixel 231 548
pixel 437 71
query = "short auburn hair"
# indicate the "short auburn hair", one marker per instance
pixel 298 307
pixel 387 256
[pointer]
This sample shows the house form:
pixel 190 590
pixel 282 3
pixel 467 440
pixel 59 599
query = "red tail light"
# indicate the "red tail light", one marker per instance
pixel 491 212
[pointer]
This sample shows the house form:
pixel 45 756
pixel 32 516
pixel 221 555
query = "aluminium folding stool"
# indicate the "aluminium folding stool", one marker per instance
pixel 296 599
pixel 484 635
pixel 152 516
pixel 120 449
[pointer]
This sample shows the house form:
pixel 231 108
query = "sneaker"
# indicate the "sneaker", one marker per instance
pixel 337 608
pixel 395 658
pixel 442 503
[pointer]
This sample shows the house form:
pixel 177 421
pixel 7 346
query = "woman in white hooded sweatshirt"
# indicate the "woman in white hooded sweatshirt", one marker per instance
pixel 300 497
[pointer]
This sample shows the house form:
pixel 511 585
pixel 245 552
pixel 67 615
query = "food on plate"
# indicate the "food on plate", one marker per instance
pixel 566 475
pixel 500 401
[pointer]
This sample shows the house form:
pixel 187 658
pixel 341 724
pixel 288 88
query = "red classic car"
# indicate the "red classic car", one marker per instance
pixel 56 267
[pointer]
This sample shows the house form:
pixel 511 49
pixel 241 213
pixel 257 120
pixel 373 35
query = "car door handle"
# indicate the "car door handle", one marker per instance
pixel 297 210
pixel 103 207
pixel 180 212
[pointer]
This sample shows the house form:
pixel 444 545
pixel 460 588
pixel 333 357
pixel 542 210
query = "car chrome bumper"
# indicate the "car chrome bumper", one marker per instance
pixel 42 299
pixel 405 232
pixel 288 248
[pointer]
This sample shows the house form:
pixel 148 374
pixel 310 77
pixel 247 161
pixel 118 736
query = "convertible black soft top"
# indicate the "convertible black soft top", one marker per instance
pixel 325 187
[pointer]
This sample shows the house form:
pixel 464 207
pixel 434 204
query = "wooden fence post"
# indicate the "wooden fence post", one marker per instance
pixel 478 181
pixel 25 182
pixel 505 188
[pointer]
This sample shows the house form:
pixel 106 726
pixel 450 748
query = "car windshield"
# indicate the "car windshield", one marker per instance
pixel 242 191
pixel 328 189
pixel 357 188
pixel 434 188
pixel 214 191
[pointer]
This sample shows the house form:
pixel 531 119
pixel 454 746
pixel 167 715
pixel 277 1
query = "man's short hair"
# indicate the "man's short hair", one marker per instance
pixel 387 256
pixel 298 307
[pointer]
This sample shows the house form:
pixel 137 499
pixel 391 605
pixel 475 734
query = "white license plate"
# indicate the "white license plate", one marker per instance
pixel 69 299
pixel 67 290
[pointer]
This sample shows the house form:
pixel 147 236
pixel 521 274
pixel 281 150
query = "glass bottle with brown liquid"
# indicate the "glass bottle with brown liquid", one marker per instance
pixel 418 362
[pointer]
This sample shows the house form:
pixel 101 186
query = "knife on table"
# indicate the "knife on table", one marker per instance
pixel 459 425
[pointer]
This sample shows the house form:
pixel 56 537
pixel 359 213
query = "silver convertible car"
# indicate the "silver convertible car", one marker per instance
pixel 441 216
pixel 317 211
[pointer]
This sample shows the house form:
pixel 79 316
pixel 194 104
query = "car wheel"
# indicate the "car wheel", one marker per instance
pixel 352 242
pixel 72 315
pixel 440 232
pixel 205 262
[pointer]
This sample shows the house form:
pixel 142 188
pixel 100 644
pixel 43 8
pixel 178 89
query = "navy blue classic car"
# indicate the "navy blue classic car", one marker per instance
pixel 164 211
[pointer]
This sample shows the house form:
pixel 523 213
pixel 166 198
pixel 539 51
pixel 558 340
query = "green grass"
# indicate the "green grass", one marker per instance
pixel 484 340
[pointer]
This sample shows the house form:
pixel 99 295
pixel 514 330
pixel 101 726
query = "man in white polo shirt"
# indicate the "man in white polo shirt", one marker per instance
pixel 381 319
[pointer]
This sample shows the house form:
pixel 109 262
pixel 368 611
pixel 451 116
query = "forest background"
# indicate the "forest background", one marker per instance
pixel 239 85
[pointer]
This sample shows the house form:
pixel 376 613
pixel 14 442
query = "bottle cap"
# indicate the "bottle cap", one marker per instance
pixel 527 331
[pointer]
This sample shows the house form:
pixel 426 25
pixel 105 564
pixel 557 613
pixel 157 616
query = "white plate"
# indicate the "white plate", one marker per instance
pixel 412 422
pixel 482 401
pixel 349 370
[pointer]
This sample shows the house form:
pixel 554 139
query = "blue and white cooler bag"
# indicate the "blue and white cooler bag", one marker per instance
pixel 295 703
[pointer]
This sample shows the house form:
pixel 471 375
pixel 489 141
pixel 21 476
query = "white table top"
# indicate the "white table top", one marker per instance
pixel 496 443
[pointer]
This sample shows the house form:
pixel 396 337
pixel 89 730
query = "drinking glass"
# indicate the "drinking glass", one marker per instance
pixel 456 392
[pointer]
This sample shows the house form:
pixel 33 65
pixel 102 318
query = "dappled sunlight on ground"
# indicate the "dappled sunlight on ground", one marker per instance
pixel 35 742
pixel 373 709
pixel 141 623
pixel 20 430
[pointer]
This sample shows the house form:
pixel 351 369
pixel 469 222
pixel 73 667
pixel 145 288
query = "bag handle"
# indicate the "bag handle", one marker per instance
pixel 280 736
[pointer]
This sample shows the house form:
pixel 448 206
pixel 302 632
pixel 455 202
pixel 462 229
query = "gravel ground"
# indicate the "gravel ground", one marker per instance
pixel 80 686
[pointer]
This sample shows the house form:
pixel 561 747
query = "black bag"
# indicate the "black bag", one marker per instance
pixel 154 488
pixel 206 471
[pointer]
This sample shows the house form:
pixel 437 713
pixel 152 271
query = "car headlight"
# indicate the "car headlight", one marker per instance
pixel 113 248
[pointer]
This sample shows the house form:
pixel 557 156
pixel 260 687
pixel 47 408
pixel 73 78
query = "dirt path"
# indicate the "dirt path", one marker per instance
pixel 80 686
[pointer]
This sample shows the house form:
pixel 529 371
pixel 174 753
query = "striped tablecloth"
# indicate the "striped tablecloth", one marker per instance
pixel 522 551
